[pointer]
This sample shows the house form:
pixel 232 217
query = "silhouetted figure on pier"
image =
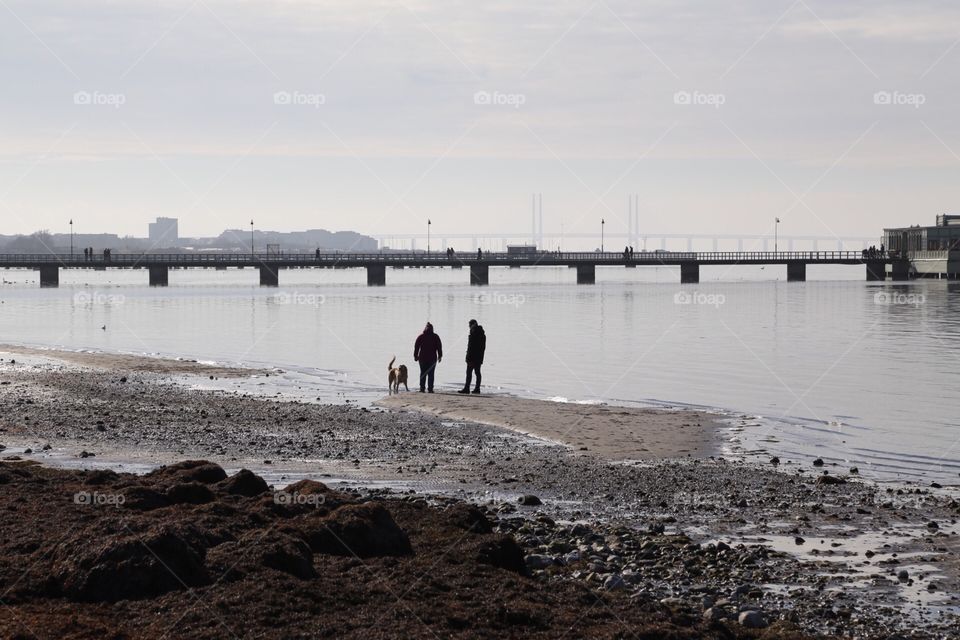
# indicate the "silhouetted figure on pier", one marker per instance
pixel 476 347
pixel 428 351
pixel 479 254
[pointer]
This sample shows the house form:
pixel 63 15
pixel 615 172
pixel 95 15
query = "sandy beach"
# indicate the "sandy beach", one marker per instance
pixel 613 433
pixel 648 526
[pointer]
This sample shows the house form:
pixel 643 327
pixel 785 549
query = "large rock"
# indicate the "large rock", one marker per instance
pixel 95 568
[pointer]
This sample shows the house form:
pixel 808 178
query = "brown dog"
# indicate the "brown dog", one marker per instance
pixel 398 376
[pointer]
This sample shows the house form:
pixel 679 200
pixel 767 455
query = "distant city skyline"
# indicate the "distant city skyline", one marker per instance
pixel 375 117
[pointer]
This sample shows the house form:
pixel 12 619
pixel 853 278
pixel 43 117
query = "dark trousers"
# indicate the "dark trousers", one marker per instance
pixel 471 368
pixel 427 369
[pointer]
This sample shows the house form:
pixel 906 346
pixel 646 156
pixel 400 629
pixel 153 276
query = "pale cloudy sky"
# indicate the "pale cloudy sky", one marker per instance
pixel 364 114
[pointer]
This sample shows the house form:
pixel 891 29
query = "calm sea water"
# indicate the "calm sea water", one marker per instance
pixel 859 373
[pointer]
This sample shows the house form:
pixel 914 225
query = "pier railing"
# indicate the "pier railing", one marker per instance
pixel 543 257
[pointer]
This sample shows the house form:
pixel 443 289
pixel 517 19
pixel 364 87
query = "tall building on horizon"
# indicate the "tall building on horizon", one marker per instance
pixel 164 232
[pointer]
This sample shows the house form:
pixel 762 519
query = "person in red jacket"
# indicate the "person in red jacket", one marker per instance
pixel 428 351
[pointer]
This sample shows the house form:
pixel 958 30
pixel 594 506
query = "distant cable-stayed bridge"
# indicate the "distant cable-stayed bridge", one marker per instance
pixel 615 240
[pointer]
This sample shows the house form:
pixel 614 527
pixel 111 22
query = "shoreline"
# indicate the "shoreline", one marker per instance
pixel 756 510
pixel 132 362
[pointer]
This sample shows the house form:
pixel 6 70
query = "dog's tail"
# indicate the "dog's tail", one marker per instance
pixel 390 366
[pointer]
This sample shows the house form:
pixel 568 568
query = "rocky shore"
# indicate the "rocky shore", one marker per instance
pixel 708 547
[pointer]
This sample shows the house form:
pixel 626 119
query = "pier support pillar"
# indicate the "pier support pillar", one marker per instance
pixel 376 275
pixel 689 273
pixel 269 275
pixel 479 274
pixel 876 271
pixel 50 276
pixel 159 276
pixel 900 270
pixel 796 272
pixel 586 274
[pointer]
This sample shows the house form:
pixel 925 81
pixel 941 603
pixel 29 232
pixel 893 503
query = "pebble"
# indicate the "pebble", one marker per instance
pixel 530 501
pixel 714 614
pixel 752 620
pixel 614 582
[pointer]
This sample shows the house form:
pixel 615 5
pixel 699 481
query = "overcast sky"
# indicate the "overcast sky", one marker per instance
pixel 840 118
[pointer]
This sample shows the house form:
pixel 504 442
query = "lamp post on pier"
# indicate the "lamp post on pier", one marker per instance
pixel 251 238
pixel 428 235
pixel 71 237
pixel 603 223
pixel 776 236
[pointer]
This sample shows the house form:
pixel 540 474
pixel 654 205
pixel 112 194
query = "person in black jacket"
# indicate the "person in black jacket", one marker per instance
pixel 476 346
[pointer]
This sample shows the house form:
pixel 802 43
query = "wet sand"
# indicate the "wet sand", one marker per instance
pixel 133 363
pixel 614 433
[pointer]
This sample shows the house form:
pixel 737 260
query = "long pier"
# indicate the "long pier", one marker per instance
pixel 270 265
